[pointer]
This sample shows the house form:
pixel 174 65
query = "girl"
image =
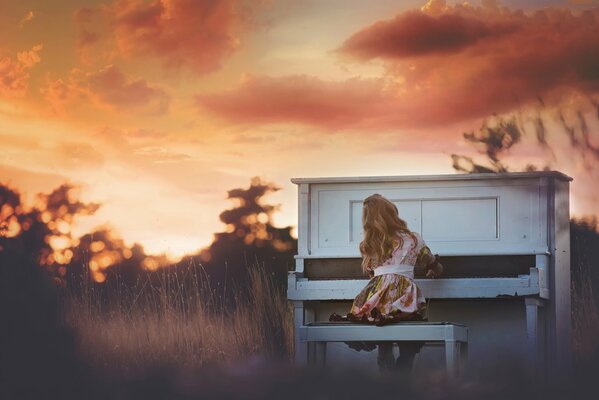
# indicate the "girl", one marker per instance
pixel 389 253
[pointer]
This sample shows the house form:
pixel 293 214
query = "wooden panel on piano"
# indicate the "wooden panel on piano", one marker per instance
pixel 454 217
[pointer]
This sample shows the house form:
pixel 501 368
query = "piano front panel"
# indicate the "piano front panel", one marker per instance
pixel 455 218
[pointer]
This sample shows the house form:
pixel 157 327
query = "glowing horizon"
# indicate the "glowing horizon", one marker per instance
pixel 130 100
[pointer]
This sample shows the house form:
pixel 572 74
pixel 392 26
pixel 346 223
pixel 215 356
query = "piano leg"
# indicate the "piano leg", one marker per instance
pixel 535 336
pixel 302 314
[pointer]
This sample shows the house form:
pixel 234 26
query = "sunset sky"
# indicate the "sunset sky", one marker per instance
pixel 158 108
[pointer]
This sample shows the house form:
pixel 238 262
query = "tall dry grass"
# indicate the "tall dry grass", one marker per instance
pixel 585 313
pixel 175 320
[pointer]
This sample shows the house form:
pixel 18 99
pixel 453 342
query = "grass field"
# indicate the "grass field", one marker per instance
pixel 173 322
pixel 177 321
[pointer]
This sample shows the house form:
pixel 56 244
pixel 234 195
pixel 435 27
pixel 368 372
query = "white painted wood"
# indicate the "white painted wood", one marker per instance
pixel 452 253
pixel 497 217
pixel 426 178
pixel 458 215
pixel 299 266
pixel 311 356
pixel 560 304
pixel 452 351
pixel 452 335
pixel 348 289
pixel 417 331
pixel 303 224
pixel 301 350
pixel 533 334
pixel 317 352
pixel 321 353
pixel 460 219
pixel 542 263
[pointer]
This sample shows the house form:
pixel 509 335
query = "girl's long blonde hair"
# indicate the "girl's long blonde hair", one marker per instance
pixel 381 224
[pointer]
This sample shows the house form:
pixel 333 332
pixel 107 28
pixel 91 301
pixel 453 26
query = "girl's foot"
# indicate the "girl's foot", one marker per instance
pixel 336 317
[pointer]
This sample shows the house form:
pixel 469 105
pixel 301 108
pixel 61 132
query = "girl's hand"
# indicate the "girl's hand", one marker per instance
pixel 435 270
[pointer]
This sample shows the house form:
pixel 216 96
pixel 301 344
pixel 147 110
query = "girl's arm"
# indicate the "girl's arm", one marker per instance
pixel 431 262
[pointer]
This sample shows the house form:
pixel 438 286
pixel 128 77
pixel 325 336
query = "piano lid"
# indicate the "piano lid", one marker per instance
pixel 406 178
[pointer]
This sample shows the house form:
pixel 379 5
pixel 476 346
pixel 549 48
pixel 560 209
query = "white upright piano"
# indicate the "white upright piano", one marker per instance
pixel 504 240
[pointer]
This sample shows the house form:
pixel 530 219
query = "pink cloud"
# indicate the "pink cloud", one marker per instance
pixel 444 65
pixel 492 58
pixel 415 33
pixel 305 99
pixel 14 74
pixel 182 33
pixel 107 88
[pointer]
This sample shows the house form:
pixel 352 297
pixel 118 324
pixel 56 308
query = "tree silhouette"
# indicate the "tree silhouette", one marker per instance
pixel 499 134
pixel 43 234
pixel 249 240
pixel 494 140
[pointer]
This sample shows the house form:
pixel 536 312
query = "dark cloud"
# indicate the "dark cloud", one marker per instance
pixel 415 33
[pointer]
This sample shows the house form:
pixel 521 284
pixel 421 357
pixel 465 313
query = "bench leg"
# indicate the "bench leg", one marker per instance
pixel 452 358
pixel 311 353
pixel 463 355
pixel 321 353
pixel 317 353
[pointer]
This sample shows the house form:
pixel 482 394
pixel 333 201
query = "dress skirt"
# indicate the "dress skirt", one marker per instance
pixel 390 295
pixel 386 298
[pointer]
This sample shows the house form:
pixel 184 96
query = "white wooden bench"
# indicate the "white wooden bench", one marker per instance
pixel 508 234
pixel 453 336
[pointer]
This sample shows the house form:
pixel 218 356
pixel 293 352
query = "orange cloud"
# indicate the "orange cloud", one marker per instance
pixel 28 17
pixel 92 46
pixel 443 65
pixel 79 155
pixel 107 88
pixel 194 34
pixel 14 74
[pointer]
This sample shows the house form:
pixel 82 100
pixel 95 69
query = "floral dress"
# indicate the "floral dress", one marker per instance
pixel 392 296
pixel 391 293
